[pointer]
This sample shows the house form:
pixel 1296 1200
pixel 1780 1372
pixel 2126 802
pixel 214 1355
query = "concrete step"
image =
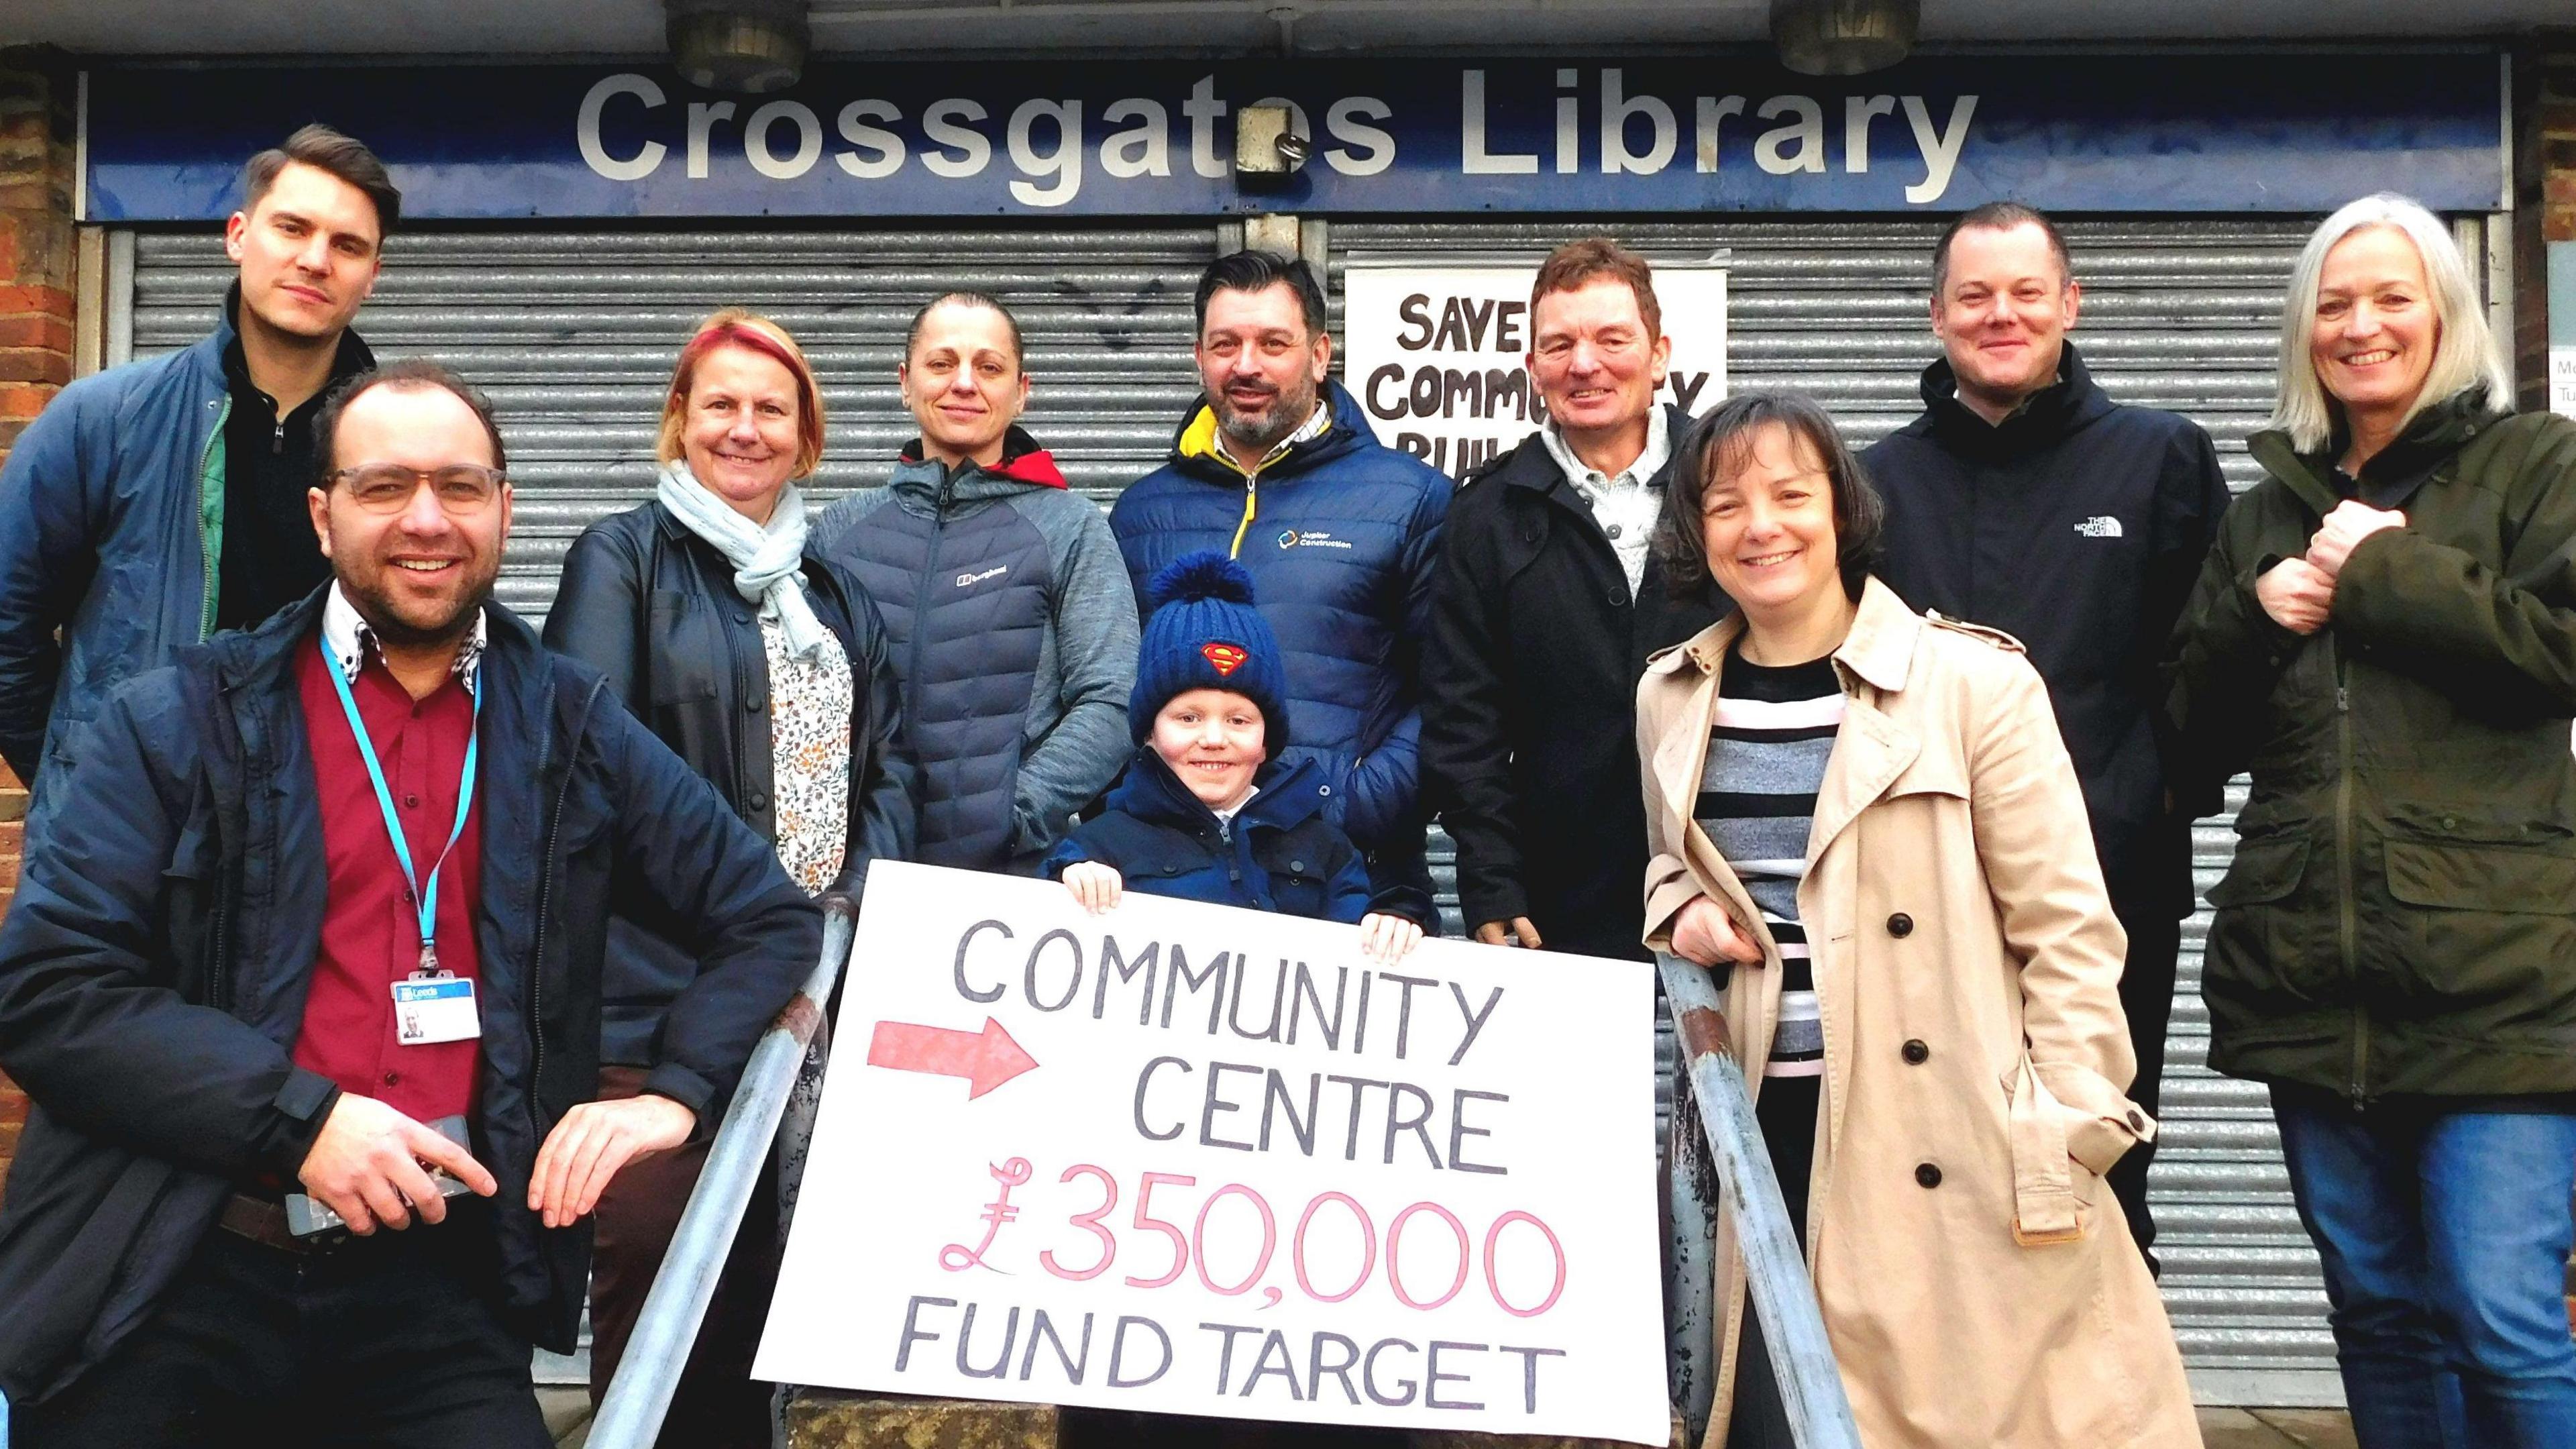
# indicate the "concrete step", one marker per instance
pixel 823 1419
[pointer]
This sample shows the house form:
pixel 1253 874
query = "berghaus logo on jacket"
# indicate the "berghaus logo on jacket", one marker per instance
pixel 968 581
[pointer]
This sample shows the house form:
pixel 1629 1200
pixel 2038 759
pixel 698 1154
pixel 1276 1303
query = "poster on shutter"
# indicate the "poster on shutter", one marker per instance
pixel 1189 1159
pixel 1438 355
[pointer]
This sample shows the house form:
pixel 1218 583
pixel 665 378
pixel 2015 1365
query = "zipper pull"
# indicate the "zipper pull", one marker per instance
pixel 2343 700
pixel 277 444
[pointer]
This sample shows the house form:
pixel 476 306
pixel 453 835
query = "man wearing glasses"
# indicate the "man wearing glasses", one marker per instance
pixel 304 989
pixel 156 503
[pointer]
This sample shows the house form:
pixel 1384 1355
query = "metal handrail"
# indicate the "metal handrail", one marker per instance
pixel 1793 1327
pixel 630 1416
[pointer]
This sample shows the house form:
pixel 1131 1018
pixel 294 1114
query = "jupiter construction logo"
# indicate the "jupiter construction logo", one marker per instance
pixel 1291 538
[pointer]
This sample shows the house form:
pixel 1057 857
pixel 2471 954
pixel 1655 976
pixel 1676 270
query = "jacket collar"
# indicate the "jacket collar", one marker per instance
pixel 2394 475
pixel 1532 466
pixel 1290 793
pixel 1022 460
pixel 353 357
pixel 1023 466
pixel 512 669
pixel 350 639
pixel 1658 450
pixel 678 535
pixel 1199 439
pixel 1879 650
pixel 1341 434
pixel 1871 750
pixel 2046 416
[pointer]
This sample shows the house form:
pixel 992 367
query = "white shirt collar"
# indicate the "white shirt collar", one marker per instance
pixel 1225 818
pixel 1590 480
pixel 348 638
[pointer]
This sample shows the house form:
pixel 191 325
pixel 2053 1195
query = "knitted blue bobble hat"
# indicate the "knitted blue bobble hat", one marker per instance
pixel 1203 633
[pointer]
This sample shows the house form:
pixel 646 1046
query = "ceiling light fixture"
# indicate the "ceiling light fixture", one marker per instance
pixel 747 46
pixel 1844 37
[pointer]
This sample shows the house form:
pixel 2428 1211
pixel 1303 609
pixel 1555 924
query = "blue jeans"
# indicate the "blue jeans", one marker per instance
pixel 2445 1238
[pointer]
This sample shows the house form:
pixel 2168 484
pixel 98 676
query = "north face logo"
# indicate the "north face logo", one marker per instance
pixel 1226 657
pixel 2101 526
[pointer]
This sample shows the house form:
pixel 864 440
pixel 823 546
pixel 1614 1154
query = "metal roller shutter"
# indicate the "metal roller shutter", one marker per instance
pixel 2178 314
pixel 573 334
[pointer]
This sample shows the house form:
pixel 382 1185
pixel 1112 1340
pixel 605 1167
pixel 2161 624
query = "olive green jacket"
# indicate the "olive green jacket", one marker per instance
pixel 2401 914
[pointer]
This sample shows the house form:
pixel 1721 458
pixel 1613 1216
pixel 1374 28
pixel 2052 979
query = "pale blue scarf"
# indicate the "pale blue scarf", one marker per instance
pixel 767 561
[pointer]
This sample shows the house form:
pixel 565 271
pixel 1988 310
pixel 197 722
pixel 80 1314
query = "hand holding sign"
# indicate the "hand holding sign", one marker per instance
pixel 1097 886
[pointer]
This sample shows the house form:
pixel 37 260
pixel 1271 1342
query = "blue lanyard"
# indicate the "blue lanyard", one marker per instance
pixel 424 897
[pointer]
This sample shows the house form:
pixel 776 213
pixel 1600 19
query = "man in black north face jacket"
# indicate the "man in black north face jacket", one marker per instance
pixel 1547 603
pixel 2025 499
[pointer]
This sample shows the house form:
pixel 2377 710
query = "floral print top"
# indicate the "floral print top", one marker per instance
pixel 809 758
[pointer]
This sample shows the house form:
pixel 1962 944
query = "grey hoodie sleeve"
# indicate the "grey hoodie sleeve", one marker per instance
pixel 1094 623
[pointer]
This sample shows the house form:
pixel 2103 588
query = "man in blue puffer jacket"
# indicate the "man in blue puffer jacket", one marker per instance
pixel 1276 468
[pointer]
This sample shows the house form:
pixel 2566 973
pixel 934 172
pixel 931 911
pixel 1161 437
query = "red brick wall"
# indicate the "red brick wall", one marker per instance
pixel 36 288
pixel 2557 145
pixel 13 807
pixel 2544 196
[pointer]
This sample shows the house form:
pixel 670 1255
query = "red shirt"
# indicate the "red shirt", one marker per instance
pixel 370 929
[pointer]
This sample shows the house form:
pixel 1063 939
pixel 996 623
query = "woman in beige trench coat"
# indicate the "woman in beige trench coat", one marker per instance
pixel 1978 1284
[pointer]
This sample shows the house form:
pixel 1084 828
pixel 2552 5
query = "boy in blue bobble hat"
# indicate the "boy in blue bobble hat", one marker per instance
pixel 1203 813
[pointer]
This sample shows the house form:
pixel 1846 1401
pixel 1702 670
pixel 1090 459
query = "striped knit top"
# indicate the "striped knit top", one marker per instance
pixel 1757 799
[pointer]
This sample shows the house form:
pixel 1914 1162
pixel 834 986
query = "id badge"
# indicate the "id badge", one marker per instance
pixel 440 1009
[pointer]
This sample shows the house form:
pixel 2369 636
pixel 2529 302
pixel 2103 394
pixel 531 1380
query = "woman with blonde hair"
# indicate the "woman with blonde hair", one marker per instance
pixel 764 666
pixel 2385 637
pixel 1865 821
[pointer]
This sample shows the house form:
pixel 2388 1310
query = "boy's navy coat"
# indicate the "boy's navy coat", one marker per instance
pixel 1282 854
pixel 154 965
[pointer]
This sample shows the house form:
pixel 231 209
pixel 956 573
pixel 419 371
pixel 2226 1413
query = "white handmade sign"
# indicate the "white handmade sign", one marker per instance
pixel 1437 354
pixel 1191 1159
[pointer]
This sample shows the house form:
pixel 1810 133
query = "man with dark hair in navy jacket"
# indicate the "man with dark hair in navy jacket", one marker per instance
pixel 2025 499
pixel 158 502
pixel 1276 468
pixel 323 915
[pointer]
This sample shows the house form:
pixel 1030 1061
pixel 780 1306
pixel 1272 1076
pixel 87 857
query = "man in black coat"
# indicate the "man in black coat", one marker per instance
pixel 2025 499
pixel 1546 605
pixel 234 989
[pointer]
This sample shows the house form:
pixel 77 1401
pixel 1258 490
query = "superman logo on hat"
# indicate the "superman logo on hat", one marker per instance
pixel 1226 657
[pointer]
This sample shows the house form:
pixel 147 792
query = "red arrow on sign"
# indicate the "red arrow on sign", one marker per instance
pixel 985 1059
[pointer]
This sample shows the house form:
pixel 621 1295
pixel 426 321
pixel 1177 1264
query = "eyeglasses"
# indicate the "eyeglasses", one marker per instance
pixel 388 487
